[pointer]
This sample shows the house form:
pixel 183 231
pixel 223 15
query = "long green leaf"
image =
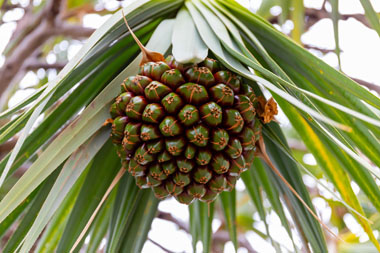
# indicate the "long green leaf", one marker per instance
pixel 271 192
pixel 368 146
pixel 254 182
pixel 266 33
pixel 206 213
pixel 228 200
pixel 331 166
pixel 46 164
pixel 285 8
pixel 371 15
pixel 12 217
pixel 70 173
pixel 275 139
pixel 364 143
pixel 14 126
pixel 265 6
pixel 224 38
pixel 127 200
pixel 194 224
pixel 273 88
pixel 101 224
pixel 242 71
pixel 273 195
pixel 306 223
pixel 142 219
pixel 54 230
pixel 314 233
pixel 211 41
pixel 363 133
pixel 33 211
pixel 188 46
pixel 223 56
pixel 52 85
pixel 103 170
pixel 253 189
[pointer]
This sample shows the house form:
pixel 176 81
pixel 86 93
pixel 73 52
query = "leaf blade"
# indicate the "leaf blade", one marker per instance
pixel 95 185
pixel 371 15
pixel 70 174
pixel 228 200
pixel 188 47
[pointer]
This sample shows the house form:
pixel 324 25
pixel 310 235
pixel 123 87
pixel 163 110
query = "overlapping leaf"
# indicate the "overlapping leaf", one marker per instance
pixel 321 103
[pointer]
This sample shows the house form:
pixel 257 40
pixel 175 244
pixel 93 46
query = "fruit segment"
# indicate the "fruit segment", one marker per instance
pixel 187 130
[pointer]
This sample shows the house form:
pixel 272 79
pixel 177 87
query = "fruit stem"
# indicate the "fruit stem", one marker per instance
pixel 147 55
pixel 261 152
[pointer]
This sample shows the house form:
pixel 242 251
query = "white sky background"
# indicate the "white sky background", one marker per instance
pixel 360 59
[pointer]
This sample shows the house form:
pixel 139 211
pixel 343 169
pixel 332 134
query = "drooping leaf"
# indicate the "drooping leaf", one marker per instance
pixel 101 224
pixel 194 224
pixel 137 232
pixel 12 217
pixel 71 172
pixel 206 213
pixel 104 168
pixel 54 230
pixel 188 47
pixel 327 102
pixel 371 15
pixel 228 200
pixel 127 199
pixel 28 220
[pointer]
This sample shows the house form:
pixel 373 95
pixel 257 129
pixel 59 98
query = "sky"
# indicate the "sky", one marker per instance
pixel 360 59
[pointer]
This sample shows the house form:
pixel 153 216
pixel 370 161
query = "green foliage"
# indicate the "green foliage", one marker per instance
pixel 76 164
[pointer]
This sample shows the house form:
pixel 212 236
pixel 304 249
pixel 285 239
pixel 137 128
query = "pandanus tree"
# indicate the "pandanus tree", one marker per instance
pixel 186 115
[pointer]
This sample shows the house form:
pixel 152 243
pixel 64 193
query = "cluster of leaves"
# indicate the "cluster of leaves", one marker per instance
pixel 74 162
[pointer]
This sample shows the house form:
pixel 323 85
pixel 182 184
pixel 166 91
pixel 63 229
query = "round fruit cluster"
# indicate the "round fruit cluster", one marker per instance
pixel 183 129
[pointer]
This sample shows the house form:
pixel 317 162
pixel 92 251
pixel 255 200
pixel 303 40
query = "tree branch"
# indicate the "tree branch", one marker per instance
pixel 313 15
pixel 370 86
pixel 45 25
pixel 222 236
pixel 25 26
pixel 7 147
pixel 29 44
pixel 26 47
pixel 35 64
pixel 160 246
pixel 7 7
pixel 169 217
pixel 74 31
pixel 322 50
